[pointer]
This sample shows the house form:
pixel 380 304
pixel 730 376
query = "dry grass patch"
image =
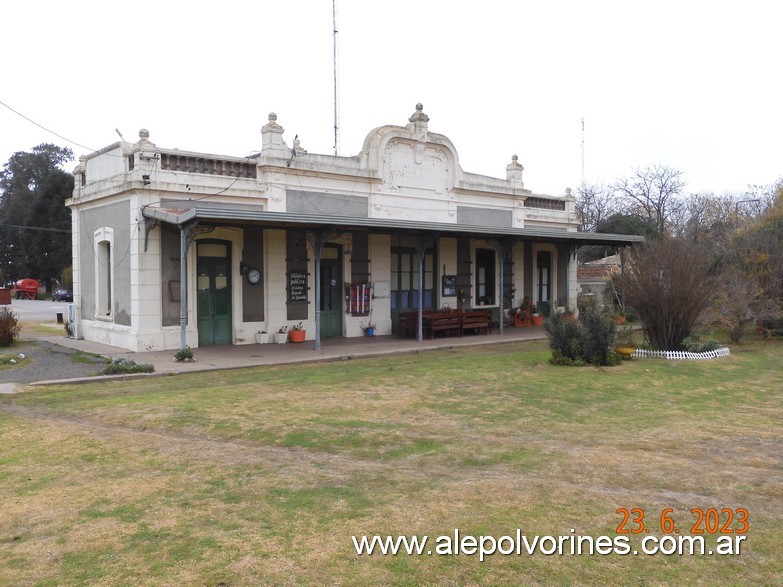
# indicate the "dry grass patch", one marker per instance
pixel 262 476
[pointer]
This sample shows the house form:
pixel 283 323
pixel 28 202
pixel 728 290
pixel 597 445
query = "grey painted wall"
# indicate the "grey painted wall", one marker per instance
pixel 115 216
pixel 253 256
pixel 169 270
pixel 301 202
pixel 484 216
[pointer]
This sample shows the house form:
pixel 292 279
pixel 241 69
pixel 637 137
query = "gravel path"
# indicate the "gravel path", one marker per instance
pixel 44 361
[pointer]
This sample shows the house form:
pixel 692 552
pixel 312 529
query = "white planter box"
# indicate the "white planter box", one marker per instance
pixel 262 337
pixel 281 338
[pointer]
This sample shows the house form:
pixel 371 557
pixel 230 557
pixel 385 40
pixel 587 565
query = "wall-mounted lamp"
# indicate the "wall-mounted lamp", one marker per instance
pixel 146 179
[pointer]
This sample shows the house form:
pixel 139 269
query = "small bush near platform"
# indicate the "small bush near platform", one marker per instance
pixel 587 342
pixel 9 327
pixel 122 366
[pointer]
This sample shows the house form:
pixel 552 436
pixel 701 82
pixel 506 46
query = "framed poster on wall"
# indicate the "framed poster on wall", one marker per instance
pixel 449 285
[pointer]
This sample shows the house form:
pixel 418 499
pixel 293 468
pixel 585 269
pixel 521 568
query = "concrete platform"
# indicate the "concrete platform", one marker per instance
pixel 211 358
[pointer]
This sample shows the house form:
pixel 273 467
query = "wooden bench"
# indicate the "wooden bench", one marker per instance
pixel 408 325
pixel 476 320
pixel 444 321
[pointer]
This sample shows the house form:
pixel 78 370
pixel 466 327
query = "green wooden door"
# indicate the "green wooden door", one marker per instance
pixel 213 286
pixel 331 287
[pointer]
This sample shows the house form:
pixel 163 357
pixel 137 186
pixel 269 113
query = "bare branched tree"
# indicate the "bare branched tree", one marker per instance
pixel 705 218
pixel 750 289
pixel 594 203
pixel 668 283
pixel 653 193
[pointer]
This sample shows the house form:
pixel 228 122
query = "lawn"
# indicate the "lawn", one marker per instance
pixel 262 476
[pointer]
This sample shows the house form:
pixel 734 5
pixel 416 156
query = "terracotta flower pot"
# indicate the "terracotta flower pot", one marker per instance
pixel 538 320
pixel 297 335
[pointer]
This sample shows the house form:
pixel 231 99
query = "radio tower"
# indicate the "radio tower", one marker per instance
pixel 336 110
pixel 583 153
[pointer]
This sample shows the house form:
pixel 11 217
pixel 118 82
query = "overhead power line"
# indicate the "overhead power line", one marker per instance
pixel 35 228
pixel 30 120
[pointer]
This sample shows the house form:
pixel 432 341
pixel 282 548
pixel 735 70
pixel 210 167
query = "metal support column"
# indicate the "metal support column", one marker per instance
pixel 502 247
pixel 186 233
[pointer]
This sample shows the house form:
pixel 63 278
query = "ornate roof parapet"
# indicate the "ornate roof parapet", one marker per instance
pixel 514 172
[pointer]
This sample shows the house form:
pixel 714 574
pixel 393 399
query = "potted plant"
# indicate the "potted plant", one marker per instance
pixel 281 336
pixel 623 343
pixel 262 337
pixel 297 333
pixel 184 355
pixel 538 319
pixel 369 328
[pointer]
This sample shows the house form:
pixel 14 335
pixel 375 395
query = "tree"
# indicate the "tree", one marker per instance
pixel 594 203
pixel 668 283
pixel 652 193
pixel 751 282
pixel 706 218
pixel 34 221
pixel 617 223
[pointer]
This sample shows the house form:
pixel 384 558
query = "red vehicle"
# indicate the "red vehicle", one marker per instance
pixel 26 288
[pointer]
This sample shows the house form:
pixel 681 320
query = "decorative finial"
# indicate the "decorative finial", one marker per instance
pixel 144 134
pixel 418 121
pixel 514 171
pixel 272 124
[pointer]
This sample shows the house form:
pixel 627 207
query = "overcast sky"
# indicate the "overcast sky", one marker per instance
pixel 695 85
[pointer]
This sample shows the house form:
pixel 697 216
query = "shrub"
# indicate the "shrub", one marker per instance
pixel 694 344
pixel 122 366
pixel 565 338
pixel 9 326
pixel 183 354
pixel 669 283
pixel 588 341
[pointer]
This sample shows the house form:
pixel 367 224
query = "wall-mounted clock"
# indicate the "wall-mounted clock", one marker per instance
pixel 253 276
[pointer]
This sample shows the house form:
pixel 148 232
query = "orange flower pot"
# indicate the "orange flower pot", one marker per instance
pixel 297 336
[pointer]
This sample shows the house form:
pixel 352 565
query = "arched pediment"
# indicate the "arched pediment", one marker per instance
pixel 410 158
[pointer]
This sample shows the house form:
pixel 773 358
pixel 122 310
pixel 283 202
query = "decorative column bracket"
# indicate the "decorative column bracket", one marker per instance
pixel 193 229
pixel 149 224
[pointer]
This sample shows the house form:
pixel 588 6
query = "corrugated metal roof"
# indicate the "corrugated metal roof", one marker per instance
pixel 225 213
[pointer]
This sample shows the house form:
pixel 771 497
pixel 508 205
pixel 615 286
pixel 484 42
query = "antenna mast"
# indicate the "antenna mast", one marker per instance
pixel 583 152
pixel 336 111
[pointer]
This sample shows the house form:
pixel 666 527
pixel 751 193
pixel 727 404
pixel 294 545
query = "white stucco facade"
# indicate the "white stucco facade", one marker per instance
pixel 366 219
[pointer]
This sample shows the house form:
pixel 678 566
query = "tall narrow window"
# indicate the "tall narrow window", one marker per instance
pixel 104 272
pixel 544 263
pixel 485 277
